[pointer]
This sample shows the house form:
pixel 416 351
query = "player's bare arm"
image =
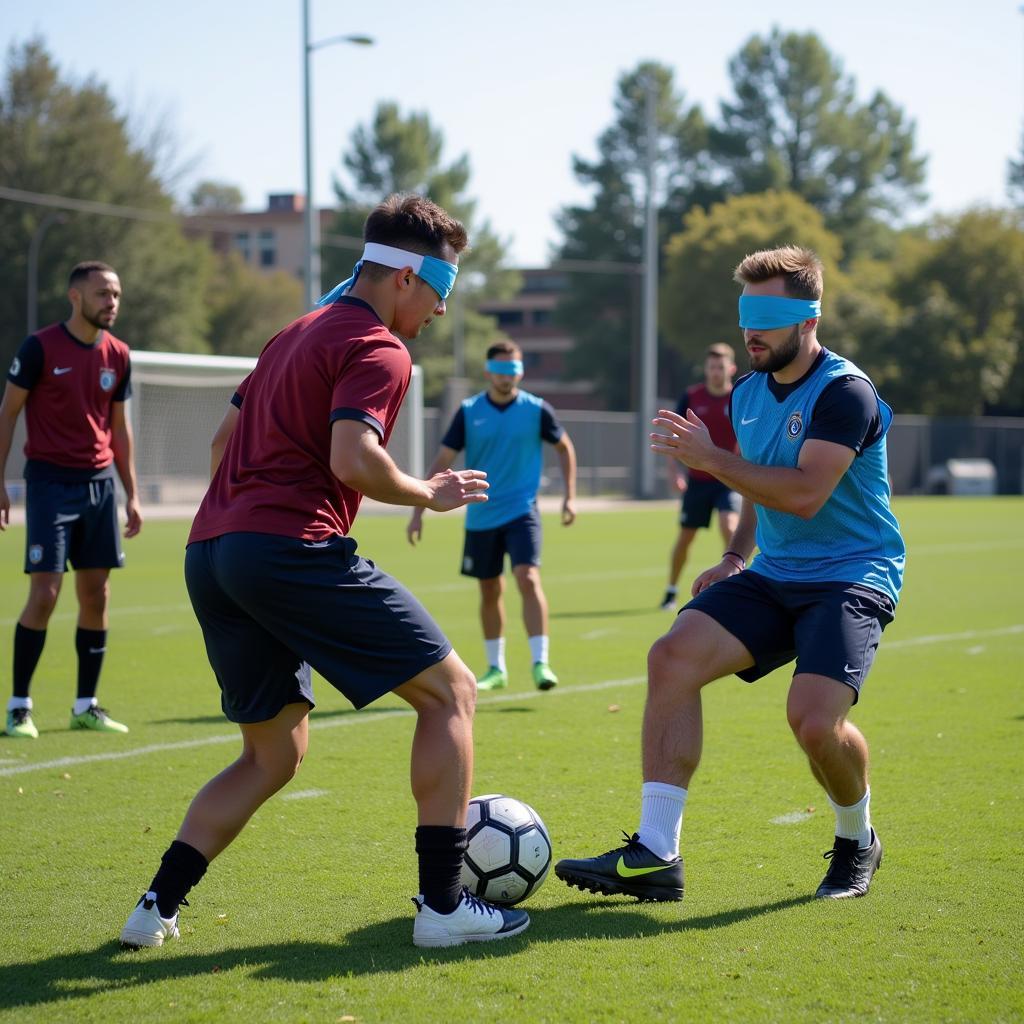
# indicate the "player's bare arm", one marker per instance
pixel 221 436
pixel 566 452
pixel 10 407
pixel 123 444
pixel 359 460
pixel 801 491
pixel 444 459
pixel 741 546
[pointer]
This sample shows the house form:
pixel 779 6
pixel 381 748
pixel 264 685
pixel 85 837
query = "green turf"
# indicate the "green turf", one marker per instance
pixel 306 917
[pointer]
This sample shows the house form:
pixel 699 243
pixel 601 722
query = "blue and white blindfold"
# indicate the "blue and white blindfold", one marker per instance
pixel 505 367
pixel 439 274
pixel 766 312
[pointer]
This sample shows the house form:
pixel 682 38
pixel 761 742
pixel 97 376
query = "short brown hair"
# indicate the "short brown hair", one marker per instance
pixel 81 271
pixel 800 268
pixel 721 349
pixel 505 348
pixel 408 221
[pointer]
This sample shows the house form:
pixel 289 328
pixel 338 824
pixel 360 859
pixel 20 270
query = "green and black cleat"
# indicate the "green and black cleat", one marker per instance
pixel 630 870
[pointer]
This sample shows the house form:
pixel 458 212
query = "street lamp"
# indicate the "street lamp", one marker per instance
pixel 34 245
pixel 311 222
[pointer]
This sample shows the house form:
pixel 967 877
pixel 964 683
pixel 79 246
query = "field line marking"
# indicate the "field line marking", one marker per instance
pixel 504 698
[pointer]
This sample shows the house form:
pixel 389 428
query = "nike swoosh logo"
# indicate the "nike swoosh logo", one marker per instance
pixel 61 518
pixel 58 370
pixel 851 670
pixel 745 422
pixel 626 872
pixel 97 650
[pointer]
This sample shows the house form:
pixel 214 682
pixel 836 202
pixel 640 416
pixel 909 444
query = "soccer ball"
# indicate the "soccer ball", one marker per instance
pixel 509 850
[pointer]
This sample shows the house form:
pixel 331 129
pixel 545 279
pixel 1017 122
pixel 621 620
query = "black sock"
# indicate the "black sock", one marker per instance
pixel 181 867
pixel 91 645
pixel 28 646
pixel 440 849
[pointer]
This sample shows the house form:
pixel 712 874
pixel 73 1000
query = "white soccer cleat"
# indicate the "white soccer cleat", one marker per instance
pixel 472 920
pixel 145 926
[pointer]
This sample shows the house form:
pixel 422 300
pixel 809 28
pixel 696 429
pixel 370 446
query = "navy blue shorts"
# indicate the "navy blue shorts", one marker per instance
pixel 832 629
pixel 71 521
pixel 483 555
pixel 701 497
pixel 271 607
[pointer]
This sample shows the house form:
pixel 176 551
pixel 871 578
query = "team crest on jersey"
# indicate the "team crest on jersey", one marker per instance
pixel 35 553
pixel 107 379
pixel 795 426
pixel 15 367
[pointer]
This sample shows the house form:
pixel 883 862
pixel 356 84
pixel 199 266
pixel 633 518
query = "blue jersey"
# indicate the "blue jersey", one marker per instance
pixel 505 442
pixel 854 537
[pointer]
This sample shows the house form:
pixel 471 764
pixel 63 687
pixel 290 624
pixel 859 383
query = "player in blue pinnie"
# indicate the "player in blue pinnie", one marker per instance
pixel 502 431
pixel 812 472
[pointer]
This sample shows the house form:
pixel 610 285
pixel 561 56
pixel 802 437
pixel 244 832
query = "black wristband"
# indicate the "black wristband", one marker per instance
pixel 736 554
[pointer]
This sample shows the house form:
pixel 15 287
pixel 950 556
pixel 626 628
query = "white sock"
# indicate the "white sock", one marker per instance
pixel 661 818
pixel 539 649
pixel 854 822
pixel 496 653
pixel 82 704
pixel 19 702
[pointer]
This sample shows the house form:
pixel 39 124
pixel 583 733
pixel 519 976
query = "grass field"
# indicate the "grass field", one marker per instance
pixel 306 917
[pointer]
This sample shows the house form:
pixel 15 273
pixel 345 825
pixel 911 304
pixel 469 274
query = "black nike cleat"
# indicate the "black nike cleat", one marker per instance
pixel 630 870
pixel 851 869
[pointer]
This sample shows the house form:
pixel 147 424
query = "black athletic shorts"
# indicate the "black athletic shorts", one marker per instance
pixel 271 607
pixel 483 555
pixel 72 521
pixel 701 498
pixel 832 629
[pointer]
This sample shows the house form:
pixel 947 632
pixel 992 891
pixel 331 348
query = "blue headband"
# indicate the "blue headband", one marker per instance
pixel 766 312
pixel 439 274
pixel 506 367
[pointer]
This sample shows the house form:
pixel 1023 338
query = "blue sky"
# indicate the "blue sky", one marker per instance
pixel 520 88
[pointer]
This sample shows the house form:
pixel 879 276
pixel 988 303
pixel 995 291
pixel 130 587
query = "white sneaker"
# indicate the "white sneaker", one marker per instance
pixel 472 920
pixel 145 926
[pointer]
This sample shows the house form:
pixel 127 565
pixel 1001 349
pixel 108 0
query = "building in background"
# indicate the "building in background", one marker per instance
pixel 268 240
pixel 528 318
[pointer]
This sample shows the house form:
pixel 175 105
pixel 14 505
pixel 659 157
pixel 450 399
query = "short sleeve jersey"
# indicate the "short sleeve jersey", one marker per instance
pixel 504 441
pixel 338 362
pixel 72 389
pixel 714 411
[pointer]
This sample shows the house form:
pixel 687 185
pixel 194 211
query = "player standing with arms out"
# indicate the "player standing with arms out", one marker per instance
pixel 278 588
pixel 701 492
pixel 72 379
pixel 502 430
pixel 813 475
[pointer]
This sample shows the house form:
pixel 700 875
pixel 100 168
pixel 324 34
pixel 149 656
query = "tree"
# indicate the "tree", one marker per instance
pixel 246 308
pixel 403 153
pixel 960 333
pixel 1015 178
pixel 601 308
pixel 215 197
pixel 796 125
pixel 699 295
pixel 69 140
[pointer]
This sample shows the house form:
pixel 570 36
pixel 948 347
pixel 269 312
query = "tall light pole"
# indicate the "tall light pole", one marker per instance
pixel 647 396
pixel 34 245
pixel 311 222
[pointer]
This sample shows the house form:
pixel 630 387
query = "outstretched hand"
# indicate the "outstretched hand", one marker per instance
pixel 688 439
pixel 455 488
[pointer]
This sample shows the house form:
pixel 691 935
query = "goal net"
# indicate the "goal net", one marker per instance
pixel 178 401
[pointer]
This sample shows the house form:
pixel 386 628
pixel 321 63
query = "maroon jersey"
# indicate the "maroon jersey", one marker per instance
pixel 338 362
pixel 714 411
pixel 72 388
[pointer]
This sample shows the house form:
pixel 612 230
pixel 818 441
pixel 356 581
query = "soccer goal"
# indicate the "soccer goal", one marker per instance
pixel 177 403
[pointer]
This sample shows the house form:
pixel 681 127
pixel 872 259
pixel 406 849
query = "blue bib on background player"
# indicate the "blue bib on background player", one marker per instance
pixel 506 443
pixel 854 537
